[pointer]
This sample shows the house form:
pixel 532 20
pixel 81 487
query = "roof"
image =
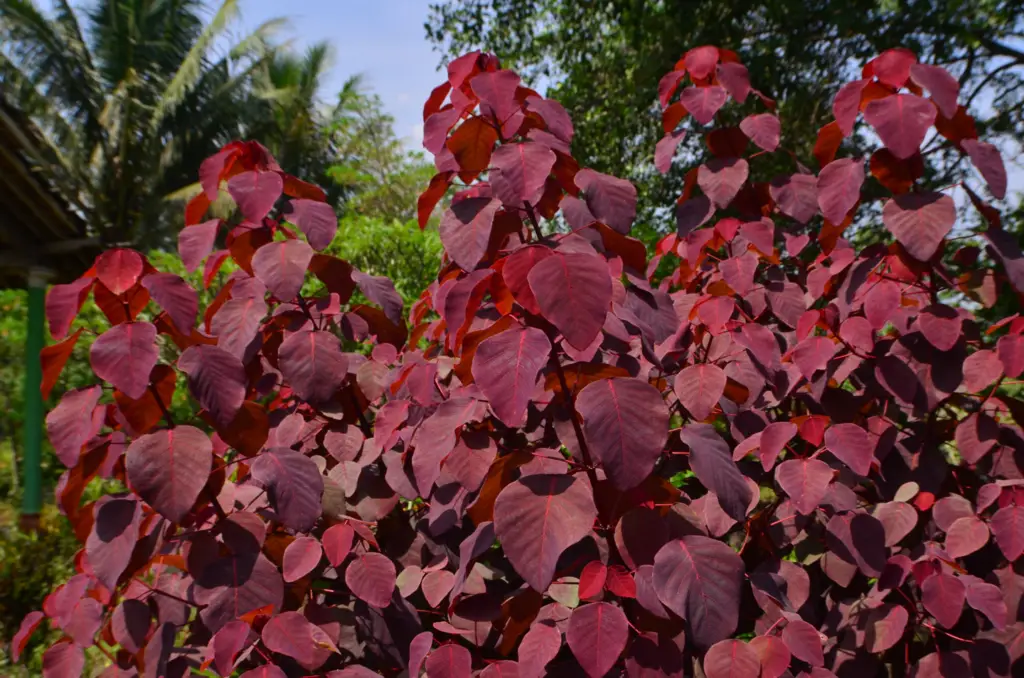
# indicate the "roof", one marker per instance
pixel 37 226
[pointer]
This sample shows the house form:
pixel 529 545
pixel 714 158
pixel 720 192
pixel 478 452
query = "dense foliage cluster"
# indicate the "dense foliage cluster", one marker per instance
pixel 757 453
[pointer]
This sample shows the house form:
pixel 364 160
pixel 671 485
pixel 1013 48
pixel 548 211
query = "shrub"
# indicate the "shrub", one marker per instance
pixel 760 452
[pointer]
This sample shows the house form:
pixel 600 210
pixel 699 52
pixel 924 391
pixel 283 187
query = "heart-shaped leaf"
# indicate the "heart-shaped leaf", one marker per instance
pixel 124 356
pixel 169 469
pixel 574 292
pixel 597 635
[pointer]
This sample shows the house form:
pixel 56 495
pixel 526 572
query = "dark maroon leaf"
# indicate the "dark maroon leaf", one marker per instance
pixel 722 178
pixel 176 297
pixel 611 200
pixel 852 445
pixel 371 577
pixel 692 214
pixel 763 129
pixel 700 579
pixel 71 424
pixel 803 641
pixel 506 367
pixel 943 596
pixel 316 219
pixel 466 230
pixel 293 635
pixel 574 292
pixel 901 120
pixel 839 188
pixel 538 517
pixel 898 518
pixel 625 423
pixel 703 102
pixel 731 659
pixel 301 556
pixel 989 162
pixel 255 193
pixel 113 536
pixel 312 364
pixel 859 539
pixel 699 388
pixel 597 635
pixel 981 369
pixel 884 627
pixel 169 469
pixel 796 195
pixel 381 291
pixel 217 380
pixel 519 172
pixel 281 266
pixel 294 485
pixel 806 481
pixel 1006 249
pixel 712 463
pixel 234 585
pixel 235 325
pixel 124 356
pixel 130 624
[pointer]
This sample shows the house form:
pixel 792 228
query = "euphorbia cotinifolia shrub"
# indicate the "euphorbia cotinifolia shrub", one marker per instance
pixel 758 452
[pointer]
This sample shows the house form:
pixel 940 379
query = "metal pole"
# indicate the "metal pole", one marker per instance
pixel 32 487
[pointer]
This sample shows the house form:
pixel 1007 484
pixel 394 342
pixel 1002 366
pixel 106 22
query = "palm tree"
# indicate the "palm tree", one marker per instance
pixel 131 96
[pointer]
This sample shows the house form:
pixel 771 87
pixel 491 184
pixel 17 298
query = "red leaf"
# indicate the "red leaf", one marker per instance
pixel 701 580
pixel 806 481
pixel 313 364
pixel 901 120
pixel 703 102
pixel 255 193
pixel 736 79
pixel 731 659
pixel 941 85
pixel 63 302
pixel 666 150
pixel 812 354
pixel 830 137
pixel 597 635
pixel 28 626
pixel 124 356
pixel 989 162
pixel 519 171
pixel 722 178
pixel 981 369
pixel 893 66
pixel 773 655
pixel 281 266
pixel 625 423
pixel 337 543
pixel 431 196
pixel 537 518
pixel 764 129
pixel 169 469
pixel 300 558
pixel 700 61
pixel 506 367
pixel 1010 349
pixel 699 388
pixel 796 195
pixel 920 221
pixel 574 292
pixel 466 230
pixel 839 188
pixel 592 579
pixel 881 301
pixel 119 269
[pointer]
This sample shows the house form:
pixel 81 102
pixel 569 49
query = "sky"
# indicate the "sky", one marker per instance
pixel 382 39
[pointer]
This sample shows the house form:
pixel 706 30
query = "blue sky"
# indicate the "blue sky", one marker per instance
pixel 382 39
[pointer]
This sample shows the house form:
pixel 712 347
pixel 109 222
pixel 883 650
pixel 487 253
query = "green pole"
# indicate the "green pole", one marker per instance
pixel 32 499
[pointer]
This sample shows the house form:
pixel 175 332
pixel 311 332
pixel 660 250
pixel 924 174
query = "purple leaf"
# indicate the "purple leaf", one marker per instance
pixel 539 646
pixel 294 485
pixel 943 596
pixel 70 425
pixel 225 645
pixel 574 292
pixel 449 661
pixel 506 367
pixel 884 627
pixel 796 195
pixel 763 129
pixel 538 517
pixel 941 85
pixel 466 230
pixel 611 200
pixel 625 423
pixel 901 120
pixel 291 634
pixel 701 580
pixel 519 172
pixel 236 324
pixel 774 439
pixel 712 463
pixel 965 536
pixel 692 214
pixel 176 297
pixel 316 219
pixel 63 660
pixel 858 539
pixel 739 271
pixel 722 178
pixel 281 266
pixel 852 445
pixel 597 635
pixel 920 221
pixel 987 599
pixel 217 380
pixel 703 102
pixel 112 539
pixel 803 641
pixel 806 481
pixel 419 647
pixel 130 624
pixel 987 159
pixel 300 557
pixel 234 585
pixel 436 585
pixel 169 469
pixel 699 388
pixel 371 577
pixel 381 291
pixel 312 364
pixel 666 150
pixel 255 193
pixel 731 659
pixel 898 519
pixel 124 356
pixel 1008 527
pixel 839 185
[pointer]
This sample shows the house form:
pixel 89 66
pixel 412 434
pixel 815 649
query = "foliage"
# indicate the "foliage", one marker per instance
pixel 759 452
pixel 603 62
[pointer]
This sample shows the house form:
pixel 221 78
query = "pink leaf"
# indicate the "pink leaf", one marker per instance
pixel 901 120
pixel 989 162
pixel 699 388
pixel 119 269
pixel 722 178
pixel 839 188
pixel 519 172
pixel 764 129
pixel 300 557
pixel 316 219
pixel 941 85
pixel 281 266
pixel 920 221
pixel 371 577
pixel 597 635
pixel 731 659
pixel 255 192
pixel 703 102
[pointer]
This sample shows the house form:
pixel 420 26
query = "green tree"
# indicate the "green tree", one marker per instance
pixel 131 95
pixel 603 61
